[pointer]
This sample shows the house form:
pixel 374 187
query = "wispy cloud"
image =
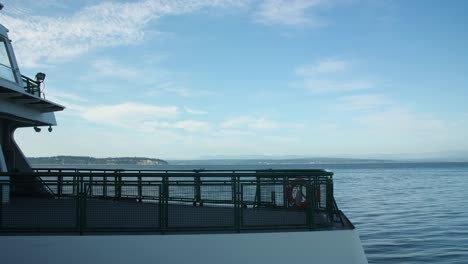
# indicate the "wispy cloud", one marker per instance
pixel 330 75
pixel 250 123
pixel 187 125
pixel 163 86
pixel 195 111
pixel 182 91
pixel 59 95
pixel 364 102
pixel 108 24
pixel 153 79
pixel 290 12
pixel 326 85
pixel 73 103
pixel 145 118
pixel 101 25
pixel 323 66
pixel 110 68
pixel 255 123
pixel 379 121
pixel 399 121
pixel 128 114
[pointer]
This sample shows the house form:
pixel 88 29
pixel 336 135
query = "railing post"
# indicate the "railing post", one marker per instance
pixel 258 194
pixel 197 189
pixel 118 186
pixel 84 197
pixel 285 187
pixel 104 186
pixel 329 202
pixel 237 204
pixel 234 200
pixel 160 209
pixel 140 190
pixel 79 204
pixel 310 190
pixel 59 185
pixel 165 204
pixel 74 185
pixel 90 186
pixel 273 192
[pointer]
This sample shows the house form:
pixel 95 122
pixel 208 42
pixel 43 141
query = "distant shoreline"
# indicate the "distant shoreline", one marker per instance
pixel 145 161
pixel 84 160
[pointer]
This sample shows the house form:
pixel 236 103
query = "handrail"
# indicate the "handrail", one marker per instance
pixel 31 86
pixel 183 173
pixel 309 171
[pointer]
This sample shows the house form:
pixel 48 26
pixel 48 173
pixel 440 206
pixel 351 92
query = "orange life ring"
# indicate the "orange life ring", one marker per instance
pixel 296 193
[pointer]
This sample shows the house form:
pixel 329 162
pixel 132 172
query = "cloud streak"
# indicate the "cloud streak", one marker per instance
pixel 398 122
pixel 128 114
pixel 195 111
pixel 146 118
pixel 187 125
pixel 102 25
pixel 252 123
pixel 323 66
pixel 109 68
pixel 326 85
pixel 364 102
pixel 290 12
pixel 330 75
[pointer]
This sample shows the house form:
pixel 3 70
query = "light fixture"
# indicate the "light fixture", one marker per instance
pixel 40 76
pixel 50 129
pixel 37 129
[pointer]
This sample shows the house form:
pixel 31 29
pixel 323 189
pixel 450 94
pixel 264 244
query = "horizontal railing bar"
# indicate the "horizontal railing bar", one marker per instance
pixel 171 175
pixel 185 170
pixel 154 183
pixel 260 173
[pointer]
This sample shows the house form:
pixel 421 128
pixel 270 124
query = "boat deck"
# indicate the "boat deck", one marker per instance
pixel 97 215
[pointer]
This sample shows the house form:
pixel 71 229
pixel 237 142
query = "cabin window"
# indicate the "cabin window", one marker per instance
pixel 6 71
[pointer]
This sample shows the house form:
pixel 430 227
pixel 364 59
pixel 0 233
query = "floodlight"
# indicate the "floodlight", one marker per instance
pixel 40 76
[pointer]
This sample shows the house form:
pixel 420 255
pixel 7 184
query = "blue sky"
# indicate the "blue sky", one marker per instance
pixel 194 78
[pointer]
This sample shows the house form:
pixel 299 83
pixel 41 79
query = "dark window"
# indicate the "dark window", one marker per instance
pixel 6 72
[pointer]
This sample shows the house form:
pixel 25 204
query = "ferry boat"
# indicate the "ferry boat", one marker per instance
pixel 69 215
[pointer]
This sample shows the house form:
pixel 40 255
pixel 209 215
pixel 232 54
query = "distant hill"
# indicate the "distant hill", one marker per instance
pixel 289 161
pixel 83 160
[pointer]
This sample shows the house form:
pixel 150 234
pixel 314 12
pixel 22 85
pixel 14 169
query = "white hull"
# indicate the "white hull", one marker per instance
pixel 341 246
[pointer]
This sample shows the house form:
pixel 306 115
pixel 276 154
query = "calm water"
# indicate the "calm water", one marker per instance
pixel 405 213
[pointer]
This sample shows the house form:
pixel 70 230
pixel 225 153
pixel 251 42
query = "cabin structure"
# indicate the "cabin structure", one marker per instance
pixel 22 104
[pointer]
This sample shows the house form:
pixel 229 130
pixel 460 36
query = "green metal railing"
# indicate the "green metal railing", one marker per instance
pixel 31 86
pixel 89 200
